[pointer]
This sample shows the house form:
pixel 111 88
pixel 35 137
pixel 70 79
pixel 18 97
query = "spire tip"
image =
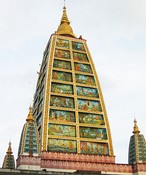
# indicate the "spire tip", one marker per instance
pixel 64 4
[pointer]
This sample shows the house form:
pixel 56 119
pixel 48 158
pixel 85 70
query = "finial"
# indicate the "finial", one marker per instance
pixel 9 151
pixel 30 116
pixel 135 128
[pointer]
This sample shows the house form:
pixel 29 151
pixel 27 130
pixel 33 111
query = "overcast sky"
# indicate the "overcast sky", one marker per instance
pixel 116 36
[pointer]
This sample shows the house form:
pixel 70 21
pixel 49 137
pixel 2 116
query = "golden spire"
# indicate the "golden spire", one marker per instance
pixel 9 151
pixel 30 116
pixel 135 128
pixel 64 27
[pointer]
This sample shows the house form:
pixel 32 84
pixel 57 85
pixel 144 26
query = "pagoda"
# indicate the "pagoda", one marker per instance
pixel 9 162
pixel 68 104
pixel 68 108
pixel 67 129
pixel 137 147
pixel 29 146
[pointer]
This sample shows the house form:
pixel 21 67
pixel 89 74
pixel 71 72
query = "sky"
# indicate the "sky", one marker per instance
pixel 115 31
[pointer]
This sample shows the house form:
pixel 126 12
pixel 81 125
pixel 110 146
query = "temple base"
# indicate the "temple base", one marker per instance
pixel 69 162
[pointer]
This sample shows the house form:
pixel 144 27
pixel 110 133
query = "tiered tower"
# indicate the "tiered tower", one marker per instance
pixel 29 142
pixel 29 145
pixel 137 147
pixel 68 103
pixel 9 162
pixel 70 123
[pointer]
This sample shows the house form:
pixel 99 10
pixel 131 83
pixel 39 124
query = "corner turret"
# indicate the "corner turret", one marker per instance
pixel 137 146
pixel 9 162
pixel 29 142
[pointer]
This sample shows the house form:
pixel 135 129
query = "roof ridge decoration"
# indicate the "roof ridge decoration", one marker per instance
pixel 64 27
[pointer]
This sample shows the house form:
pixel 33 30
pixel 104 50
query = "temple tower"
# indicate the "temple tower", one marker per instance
pixel 68 104
pixel 9 162
pixel 137 147
pixel 67 129
pixel 29 146
pixel 29 141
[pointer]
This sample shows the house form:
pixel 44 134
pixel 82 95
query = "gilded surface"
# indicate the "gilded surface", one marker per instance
pixel 47 96
pixel 74 101
pixel 111 153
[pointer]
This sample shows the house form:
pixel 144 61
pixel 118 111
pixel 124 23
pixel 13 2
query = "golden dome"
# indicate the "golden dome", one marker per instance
pixel 64 27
